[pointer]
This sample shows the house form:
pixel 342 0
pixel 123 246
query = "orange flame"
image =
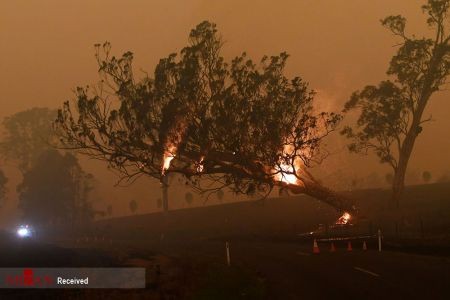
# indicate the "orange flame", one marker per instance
pixel 285 171
pixel 344 219
pixel 174 138
pixel 200 166
pixel 168 156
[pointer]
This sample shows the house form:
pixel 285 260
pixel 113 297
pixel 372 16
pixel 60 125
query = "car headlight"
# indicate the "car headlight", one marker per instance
pixel 24 231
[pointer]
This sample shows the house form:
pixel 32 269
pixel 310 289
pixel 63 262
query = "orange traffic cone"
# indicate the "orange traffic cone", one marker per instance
pixel 364 246
pixel 316 249
pixel 349 246
pixel 333 248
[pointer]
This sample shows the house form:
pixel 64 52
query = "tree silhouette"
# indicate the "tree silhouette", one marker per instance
pixel 133 206
pixel 56 189
pixel 426 176
pixel 27 135
pixel 391 116
pixel 240 124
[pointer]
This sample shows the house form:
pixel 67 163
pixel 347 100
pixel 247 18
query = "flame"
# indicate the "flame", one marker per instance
pixel 168 156
pixel 344 219
pixel 285 174
pixel 200 166
pixel 173 139
pixel 285 171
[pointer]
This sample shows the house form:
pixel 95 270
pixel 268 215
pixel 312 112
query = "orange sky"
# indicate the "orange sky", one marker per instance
pixel 46 49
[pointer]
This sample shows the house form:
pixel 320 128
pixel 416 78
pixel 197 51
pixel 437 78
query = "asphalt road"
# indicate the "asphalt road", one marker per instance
pixel 291 271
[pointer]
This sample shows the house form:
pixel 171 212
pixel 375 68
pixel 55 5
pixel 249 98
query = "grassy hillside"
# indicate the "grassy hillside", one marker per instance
pixel 425 210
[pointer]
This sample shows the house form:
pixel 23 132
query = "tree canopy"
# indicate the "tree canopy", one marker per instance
pixel 27 135
pixel 240 124
pixel 391 113
pixel 55 189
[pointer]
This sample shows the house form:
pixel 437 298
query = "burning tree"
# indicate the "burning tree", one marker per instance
pixel 241 125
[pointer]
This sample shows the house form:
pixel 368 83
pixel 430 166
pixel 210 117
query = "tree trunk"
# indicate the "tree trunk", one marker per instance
pixel 398 184
pixel 165 193
pixel 439 51
pixel 321 193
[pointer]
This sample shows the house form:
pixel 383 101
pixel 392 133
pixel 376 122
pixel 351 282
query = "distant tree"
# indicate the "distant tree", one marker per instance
pixel 3 182
pixel 27 135
pixel 426 176
pixel 189 198
pixel 241 124
pixel 56 189
pixel 391 116
pixel 109 210
pixel 133 206
pixel 220 195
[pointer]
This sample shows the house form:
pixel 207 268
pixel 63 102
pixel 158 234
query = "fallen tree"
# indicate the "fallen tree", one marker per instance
pixel 240 125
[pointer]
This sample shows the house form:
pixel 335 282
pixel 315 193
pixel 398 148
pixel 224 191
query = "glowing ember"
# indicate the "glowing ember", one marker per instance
pixel 169 155
pixel 344 219
pixel 200 165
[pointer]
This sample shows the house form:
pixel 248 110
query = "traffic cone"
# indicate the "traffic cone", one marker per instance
pixel 333 248
pixel 349 246
pixel 364 246
pixel 316 249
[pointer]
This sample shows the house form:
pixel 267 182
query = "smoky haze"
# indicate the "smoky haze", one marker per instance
pixel 337 46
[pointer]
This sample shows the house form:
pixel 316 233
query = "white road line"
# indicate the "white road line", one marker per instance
pixel 366 271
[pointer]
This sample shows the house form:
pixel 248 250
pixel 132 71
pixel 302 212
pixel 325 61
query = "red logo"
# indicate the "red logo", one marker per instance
pixel 29 279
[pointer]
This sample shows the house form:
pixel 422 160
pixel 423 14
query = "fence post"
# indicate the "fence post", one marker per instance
pixel 379 240
pixel 227 246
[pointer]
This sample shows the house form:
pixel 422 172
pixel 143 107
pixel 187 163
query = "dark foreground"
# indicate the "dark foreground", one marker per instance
pixel 260 269
pixel 268 259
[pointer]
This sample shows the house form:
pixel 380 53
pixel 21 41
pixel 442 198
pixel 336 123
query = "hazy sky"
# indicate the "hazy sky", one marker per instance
pixel 339 46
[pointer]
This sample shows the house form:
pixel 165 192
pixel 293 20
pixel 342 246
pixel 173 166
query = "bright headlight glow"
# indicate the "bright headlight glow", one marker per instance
pixel 23 232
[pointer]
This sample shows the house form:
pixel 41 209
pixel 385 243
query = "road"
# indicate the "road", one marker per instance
pixel 291 271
